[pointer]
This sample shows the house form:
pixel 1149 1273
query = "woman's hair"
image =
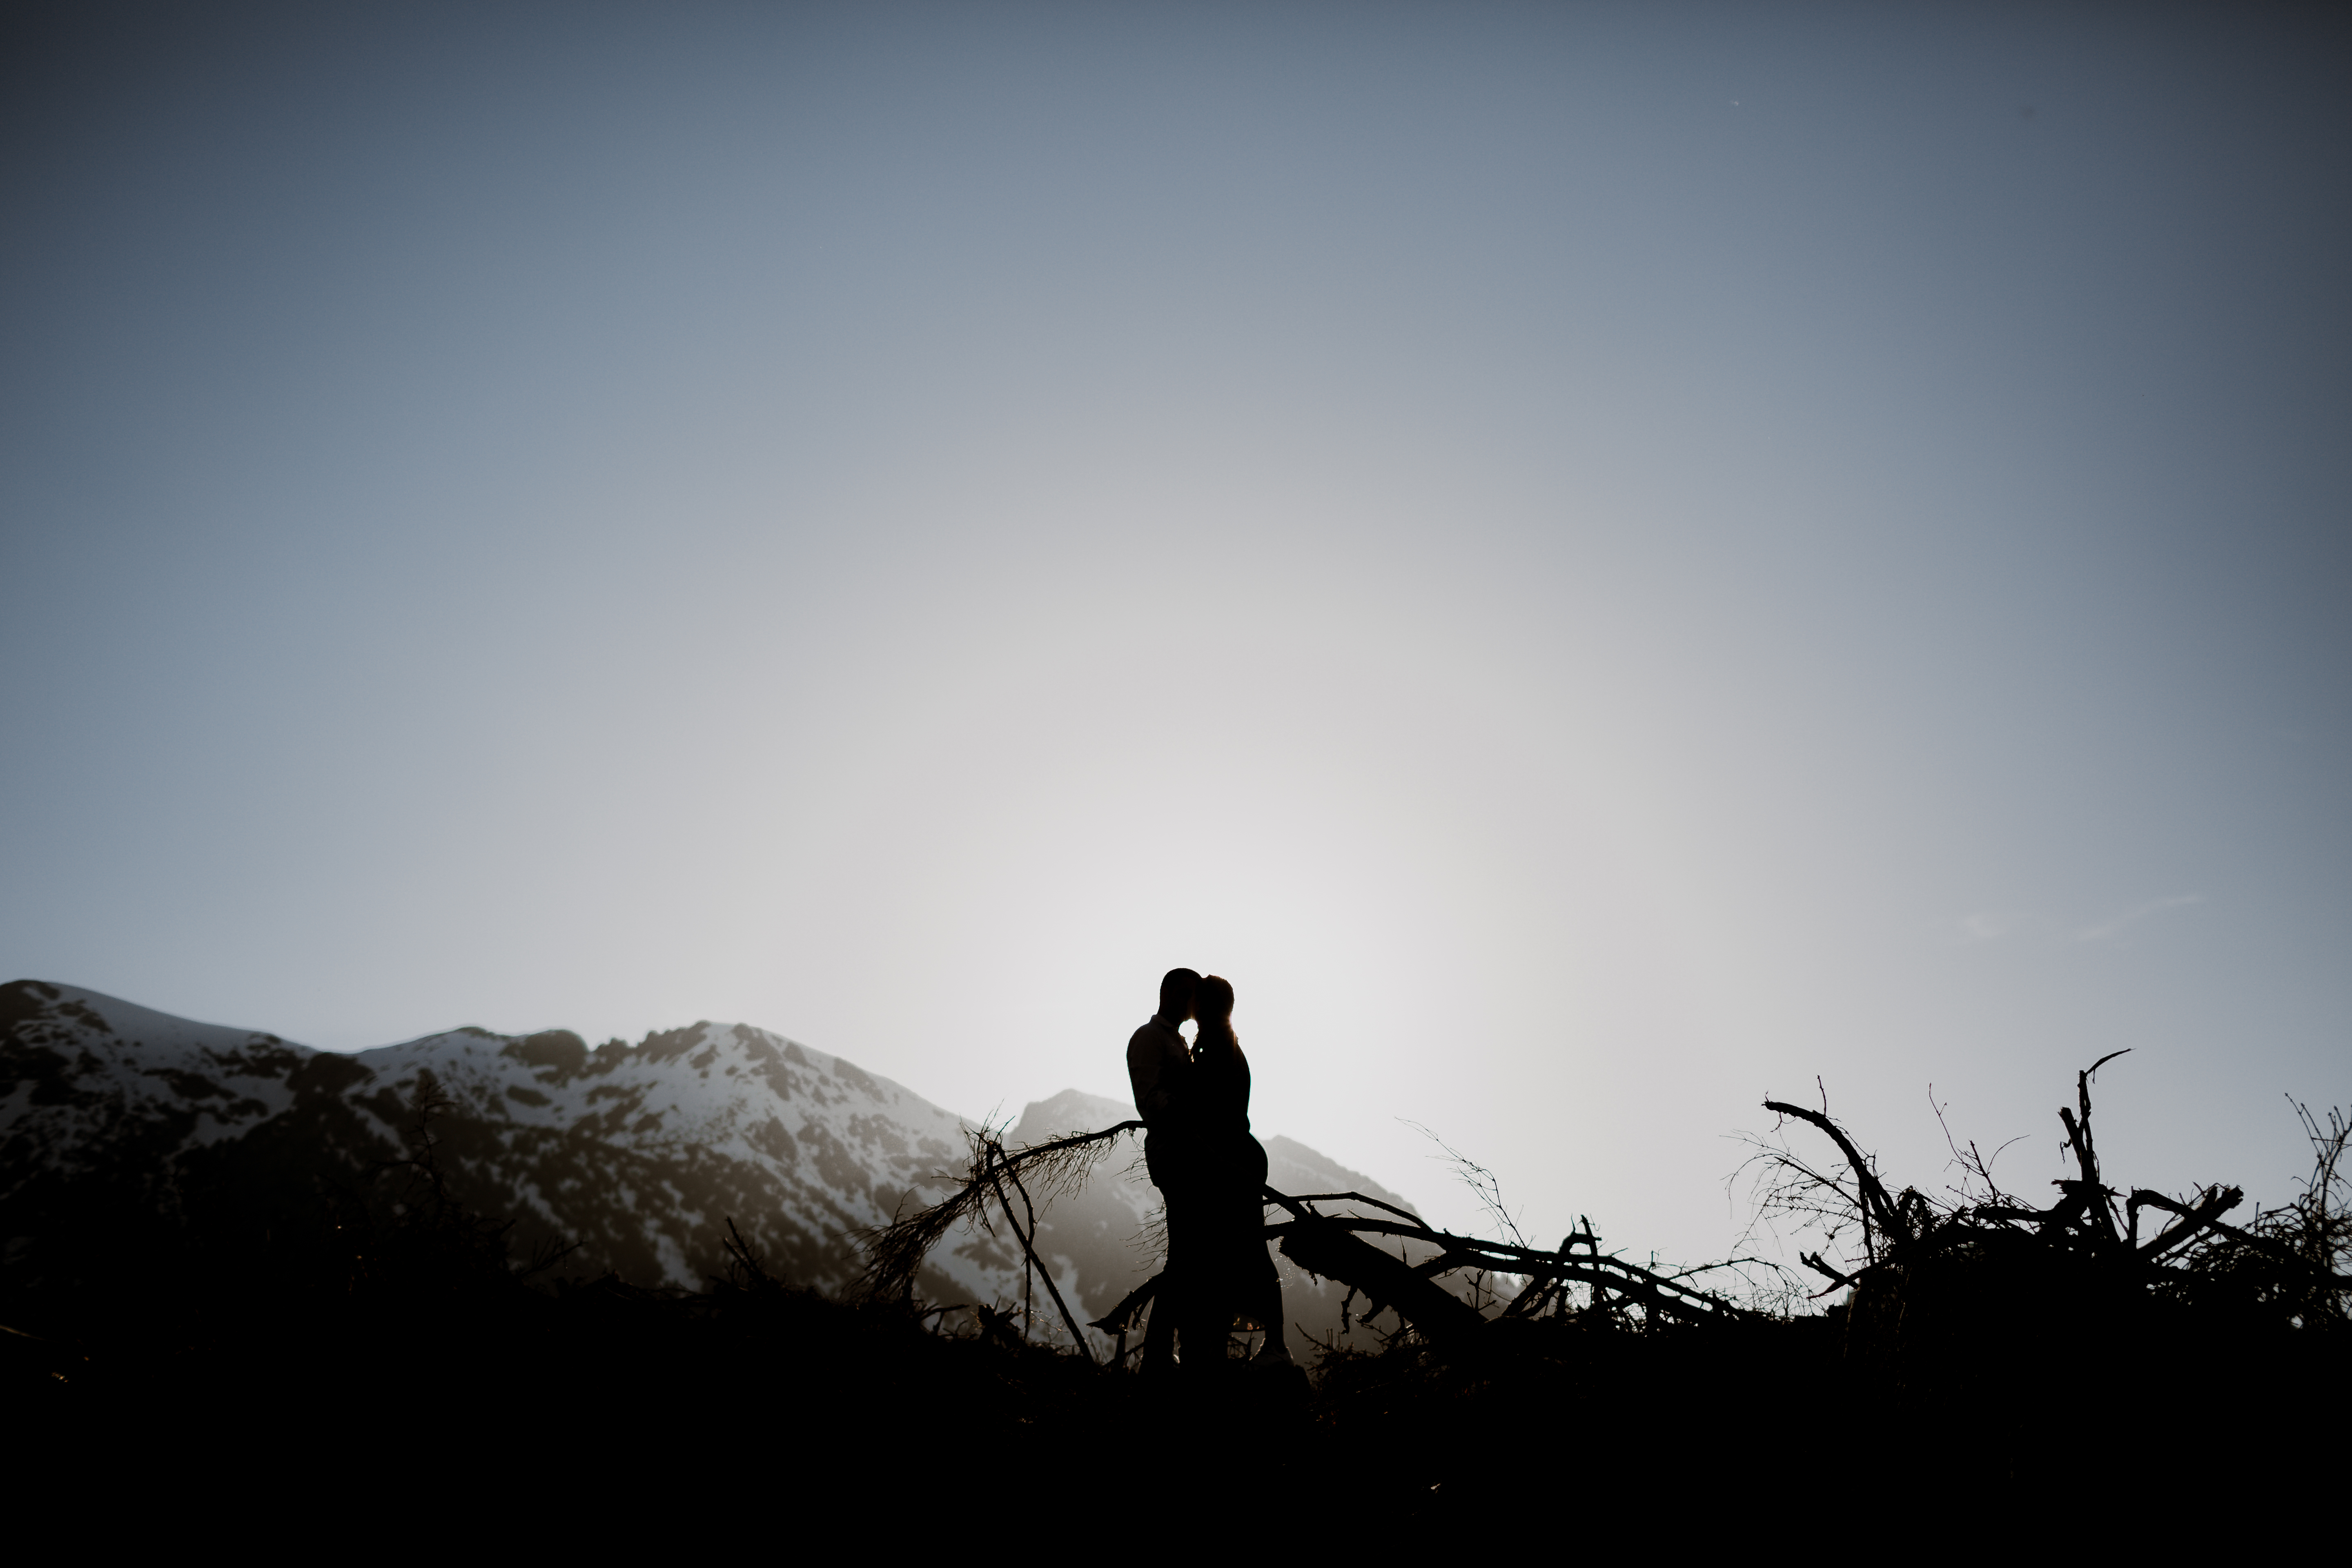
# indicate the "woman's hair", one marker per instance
pixel 1213 1004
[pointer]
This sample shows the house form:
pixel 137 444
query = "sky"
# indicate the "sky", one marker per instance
pixel 1601 563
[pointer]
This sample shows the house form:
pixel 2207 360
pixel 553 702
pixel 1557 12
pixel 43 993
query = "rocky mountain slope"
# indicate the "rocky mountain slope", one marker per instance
pixel 636 1155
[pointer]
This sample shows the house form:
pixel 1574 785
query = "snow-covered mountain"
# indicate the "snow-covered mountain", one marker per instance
pixel 637 1154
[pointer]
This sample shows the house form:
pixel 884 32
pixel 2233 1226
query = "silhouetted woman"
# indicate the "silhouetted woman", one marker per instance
pixel 1236 1275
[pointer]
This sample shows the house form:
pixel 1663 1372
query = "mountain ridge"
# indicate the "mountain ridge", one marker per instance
pixel 638 1157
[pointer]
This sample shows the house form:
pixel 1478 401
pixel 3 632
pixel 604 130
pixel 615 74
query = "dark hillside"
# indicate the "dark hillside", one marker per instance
pixel 247 1327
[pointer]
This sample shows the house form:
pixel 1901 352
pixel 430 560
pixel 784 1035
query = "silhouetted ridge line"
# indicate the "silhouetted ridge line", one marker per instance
pixel 252 1232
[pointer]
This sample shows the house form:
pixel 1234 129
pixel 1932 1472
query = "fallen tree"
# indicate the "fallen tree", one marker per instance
pixel 1327 1242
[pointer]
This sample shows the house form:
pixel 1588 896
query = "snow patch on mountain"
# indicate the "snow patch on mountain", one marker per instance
pixel 637 1156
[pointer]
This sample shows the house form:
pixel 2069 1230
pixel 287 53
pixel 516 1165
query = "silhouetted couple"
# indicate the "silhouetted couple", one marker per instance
pixel 1210 1171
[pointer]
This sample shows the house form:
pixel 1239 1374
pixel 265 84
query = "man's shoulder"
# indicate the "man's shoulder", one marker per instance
pixel 1156 1039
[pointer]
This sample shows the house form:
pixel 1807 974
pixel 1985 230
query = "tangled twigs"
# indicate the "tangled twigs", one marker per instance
pixel 1038 1171
pixel 1027 1239
pixel 1659 1294
pixel 2213 1203
pixel 1870 1200
pixel 2291 1258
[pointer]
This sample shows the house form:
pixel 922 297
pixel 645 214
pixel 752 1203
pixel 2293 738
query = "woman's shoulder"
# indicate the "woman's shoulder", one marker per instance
pixel 1226 1052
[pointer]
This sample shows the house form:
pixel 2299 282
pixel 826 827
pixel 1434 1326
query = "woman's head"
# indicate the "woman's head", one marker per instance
pixel 1213 1004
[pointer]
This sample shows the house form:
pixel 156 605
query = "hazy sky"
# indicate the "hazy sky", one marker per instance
pixel 1599 562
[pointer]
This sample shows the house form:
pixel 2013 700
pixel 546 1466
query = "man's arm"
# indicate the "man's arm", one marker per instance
pixel 1154 1072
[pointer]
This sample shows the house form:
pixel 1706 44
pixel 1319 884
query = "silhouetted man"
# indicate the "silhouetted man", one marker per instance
pixel 1159 1070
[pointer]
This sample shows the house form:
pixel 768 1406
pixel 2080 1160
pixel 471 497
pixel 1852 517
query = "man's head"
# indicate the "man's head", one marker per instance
pixel 1177 989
